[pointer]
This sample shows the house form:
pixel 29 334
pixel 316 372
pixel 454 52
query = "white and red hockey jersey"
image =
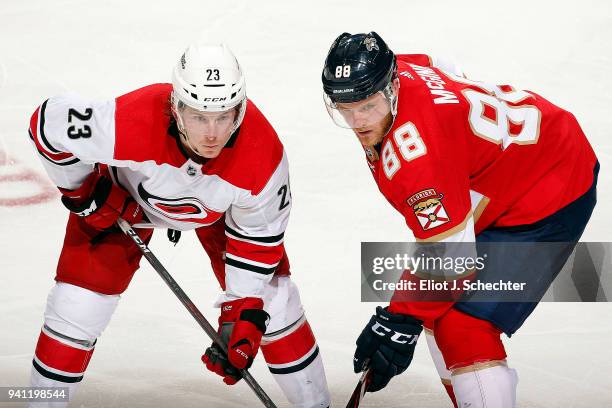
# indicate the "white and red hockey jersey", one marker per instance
pixel 248 182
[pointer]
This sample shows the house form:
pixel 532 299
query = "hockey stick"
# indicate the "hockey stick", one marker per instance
pixel 191 307
pixel 360 390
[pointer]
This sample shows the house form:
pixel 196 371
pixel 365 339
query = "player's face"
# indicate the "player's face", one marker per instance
pixel 370 118
pixel 372 135
pixel 366 112
pixel 207 132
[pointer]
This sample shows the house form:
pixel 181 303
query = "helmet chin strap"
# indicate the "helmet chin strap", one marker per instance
pixel 392 96
pixel 390 125
pixel 183 132
pixel 185 139
pixel 240 111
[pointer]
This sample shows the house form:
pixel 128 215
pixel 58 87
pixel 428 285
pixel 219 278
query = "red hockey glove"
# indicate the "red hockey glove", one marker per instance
pixel 241 325
pixel 101 203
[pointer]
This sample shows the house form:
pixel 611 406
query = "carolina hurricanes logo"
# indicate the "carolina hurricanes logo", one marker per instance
pixel 185 209
pixel 428 208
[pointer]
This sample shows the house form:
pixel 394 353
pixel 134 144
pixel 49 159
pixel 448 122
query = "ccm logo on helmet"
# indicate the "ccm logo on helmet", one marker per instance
pixel 214 99
pixel 396 337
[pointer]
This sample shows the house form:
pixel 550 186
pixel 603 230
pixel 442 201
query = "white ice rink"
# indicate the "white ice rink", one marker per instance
pixel 150 354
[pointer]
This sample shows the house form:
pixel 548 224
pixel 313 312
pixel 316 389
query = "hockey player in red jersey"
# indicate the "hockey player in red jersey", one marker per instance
pixel 463 161
pixel 192 155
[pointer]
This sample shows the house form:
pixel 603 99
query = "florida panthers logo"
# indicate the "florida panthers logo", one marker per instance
pixel 185 209
pixel 428 208
pixel 370 43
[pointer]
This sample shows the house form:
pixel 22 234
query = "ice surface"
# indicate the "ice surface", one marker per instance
pixel 149 356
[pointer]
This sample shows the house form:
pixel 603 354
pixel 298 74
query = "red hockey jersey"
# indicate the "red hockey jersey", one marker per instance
pixel 464 155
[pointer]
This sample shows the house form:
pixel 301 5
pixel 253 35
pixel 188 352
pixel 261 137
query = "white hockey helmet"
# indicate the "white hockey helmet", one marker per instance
pixel 208 78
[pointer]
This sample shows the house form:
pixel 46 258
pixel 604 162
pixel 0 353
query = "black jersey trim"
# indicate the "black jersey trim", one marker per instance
pixel 54 376
pixel 249 267
pixel 115 176
pixel 297 367
pixel 267 240
pixel 58 163
pixel 41 127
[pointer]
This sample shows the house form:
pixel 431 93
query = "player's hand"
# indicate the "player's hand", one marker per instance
pixel 241 325
pixel 388 343
pixel 101 203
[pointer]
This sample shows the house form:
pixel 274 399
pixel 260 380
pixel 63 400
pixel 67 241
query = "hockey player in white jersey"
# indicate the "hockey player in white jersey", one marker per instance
pixel 194 154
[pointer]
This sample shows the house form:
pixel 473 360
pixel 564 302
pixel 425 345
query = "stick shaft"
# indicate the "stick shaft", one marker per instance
pixel 190 306
pixel 360 390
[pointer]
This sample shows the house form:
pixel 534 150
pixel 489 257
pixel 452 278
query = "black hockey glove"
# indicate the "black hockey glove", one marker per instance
pixel 386 345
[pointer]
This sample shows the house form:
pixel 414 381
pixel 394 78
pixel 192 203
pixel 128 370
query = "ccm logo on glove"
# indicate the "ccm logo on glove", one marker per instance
pixel 241 325
pixel 396 337
pixel 386 346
